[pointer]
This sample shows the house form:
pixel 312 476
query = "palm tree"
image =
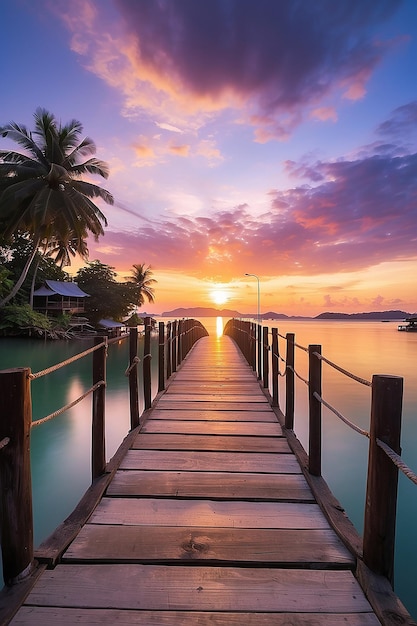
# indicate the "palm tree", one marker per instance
pixel 142 278
pixel 42 192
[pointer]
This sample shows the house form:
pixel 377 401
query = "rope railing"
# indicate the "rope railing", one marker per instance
pixel 16 425
pixel 4 442
pixel 344 419
pixel 384 429
pixel 297 345
pixel 69 405
pixel 304 380
pixel 398 462
pixel 76 357
pixel 358 379
pixel 134 364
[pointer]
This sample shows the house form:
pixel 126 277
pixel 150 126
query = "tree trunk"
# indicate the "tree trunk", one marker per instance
pixel 22 277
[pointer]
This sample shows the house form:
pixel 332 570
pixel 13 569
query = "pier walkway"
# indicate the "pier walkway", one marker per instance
pixel 208 520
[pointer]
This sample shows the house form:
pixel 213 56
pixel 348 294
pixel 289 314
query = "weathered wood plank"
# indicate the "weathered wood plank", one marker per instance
pixel 51 616
pixel 210 461
pixel 225 399
pixel 250 429
pixel 150 587
pixel 163 544
pixel 208 513
pixel 249 388
pixel 228 443
pixel 215 405
pixel 229 486
pixel 210 415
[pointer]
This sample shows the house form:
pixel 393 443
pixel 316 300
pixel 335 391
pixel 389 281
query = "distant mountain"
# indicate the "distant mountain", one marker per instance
pixel 271 315
pixel 373 315
pixel 201 312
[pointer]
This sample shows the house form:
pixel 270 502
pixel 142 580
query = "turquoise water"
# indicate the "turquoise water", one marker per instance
pixel 60 449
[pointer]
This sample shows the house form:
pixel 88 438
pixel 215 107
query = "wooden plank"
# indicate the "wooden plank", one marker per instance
pixel 251 388
pixel 210 461
pixel 51 616
pixel 207 414
pixel 228 443
pixel 150 587
pixel 162 544
pixel 226 399
pixel 284 487
pixel 207 513
pixel 215 405
pixel 249 429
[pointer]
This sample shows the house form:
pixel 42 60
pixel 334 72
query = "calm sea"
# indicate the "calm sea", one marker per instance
pixel 60 449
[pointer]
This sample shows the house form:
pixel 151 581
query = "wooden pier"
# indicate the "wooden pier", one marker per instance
pixel 207 520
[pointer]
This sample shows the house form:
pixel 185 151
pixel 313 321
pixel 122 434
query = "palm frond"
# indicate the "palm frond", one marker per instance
pixel 93 191
pixel 92 166
pixel 84 148
pixel 23 137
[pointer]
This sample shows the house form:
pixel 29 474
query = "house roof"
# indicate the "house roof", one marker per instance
pixel 60 288
pixel 110 324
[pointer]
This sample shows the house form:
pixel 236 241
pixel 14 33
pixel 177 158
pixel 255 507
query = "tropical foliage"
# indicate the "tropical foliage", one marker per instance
pixel 142 278
pixel 42 193
pixel 13 258
pixel 21 320
pixel 109 299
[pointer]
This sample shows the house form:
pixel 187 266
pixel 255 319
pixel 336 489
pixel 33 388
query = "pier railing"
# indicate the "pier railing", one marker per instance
pixel 174 342
pixel 260 346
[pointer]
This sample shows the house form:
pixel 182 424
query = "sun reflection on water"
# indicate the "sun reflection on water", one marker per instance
pixel 219 327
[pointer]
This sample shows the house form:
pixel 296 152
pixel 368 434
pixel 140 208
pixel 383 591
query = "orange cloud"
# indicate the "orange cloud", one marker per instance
pixel 180 150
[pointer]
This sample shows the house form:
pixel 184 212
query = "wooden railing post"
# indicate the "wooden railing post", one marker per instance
pixel 289 382
pixel 169 350
pixel 259 345
pixel 265 359
pixel 314 386
pixel 253 345
pixel 15 475
pixel 382 481
pixel 98 445
pixel 147 376
pixel 275 367
pixel 161 357
pixel 180 341
pixel 133 377
pixel 174 346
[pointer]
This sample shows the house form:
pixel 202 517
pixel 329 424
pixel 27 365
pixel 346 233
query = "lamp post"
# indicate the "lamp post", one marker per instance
pixel 259 295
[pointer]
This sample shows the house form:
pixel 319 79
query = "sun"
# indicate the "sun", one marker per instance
pixel 219 296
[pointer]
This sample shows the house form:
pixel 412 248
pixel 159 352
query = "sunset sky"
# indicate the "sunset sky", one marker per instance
pixel 271 137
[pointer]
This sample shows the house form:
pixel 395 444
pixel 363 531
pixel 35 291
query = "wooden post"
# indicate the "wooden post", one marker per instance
pixel 15 475
pixel 174 346
pixel 133 378
pixel 382 481
pixel 180 343
pixel 254 345
pixel 289 382
pixel 265 367
pixel 161 357
pixel 98 445
pixel 314 386
pixel 259 344
pixel 169 351
pixel 275 367
pixel 147 380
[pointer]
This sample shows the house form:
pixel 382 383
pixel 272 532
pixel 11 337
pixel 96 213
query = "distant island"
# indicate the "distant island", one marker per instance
pixel 271 315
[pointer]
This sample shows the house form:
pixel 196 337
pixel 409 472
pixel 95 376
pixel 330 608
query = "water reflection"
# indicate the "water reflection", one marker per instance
pixel 219 327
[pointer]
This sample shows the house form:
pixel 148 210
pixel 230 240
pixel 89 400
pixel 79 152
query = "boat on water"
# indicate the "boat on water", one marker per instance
pixel 411 325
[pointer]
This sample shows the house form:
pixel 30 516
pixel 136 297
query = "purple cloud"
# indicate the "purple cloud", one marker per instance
pixel 279 57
